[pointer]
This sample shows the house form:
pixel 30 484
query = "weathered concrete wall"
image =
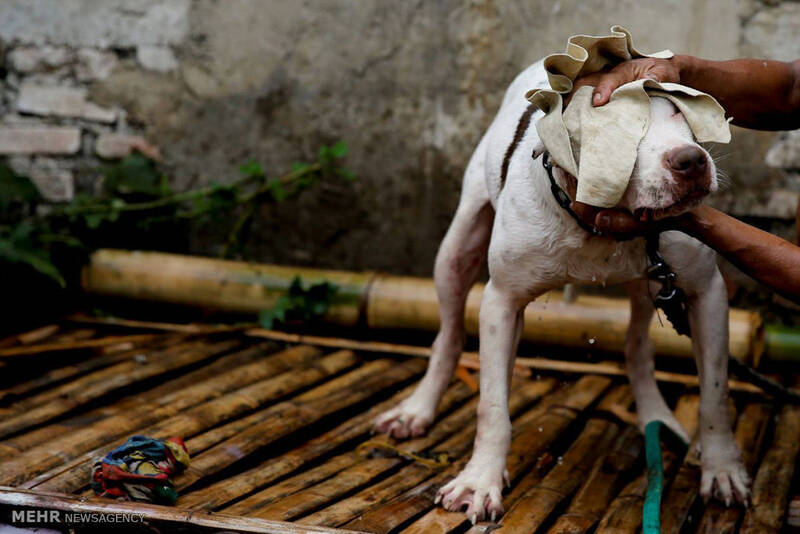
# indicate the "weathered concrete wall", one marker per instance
pixel 409 85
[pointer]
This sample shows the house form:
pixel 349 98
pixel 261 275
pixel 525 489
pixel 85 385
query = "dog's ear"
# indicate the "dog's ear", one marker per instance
pixel 538 150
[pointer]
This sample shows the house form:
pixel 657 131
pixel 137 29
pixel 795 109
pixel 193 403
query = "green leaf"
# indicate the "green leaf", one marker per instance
pixel 338 150
pixel 20 247
pixel 277 190
pixel 345 174
pixel 134 175
pixel 252 169
pixel 15 188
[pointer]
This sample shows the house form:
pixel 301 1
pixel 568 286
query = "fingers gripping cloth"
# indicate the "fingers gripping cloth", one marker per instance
pixel 140 470
pixel 598 144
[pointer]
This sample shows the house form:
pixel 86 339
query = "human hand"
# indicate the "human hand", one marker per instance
pixel 604 83
pixel 618 223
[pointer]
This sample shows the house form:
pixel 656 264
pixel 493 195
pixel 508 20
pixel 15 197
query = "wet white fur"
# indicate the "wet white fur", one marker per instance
pixel 533 246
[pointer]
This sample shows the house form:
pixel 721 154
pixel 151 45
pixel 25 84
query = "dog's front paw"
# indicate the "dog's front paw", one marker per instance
pixel 724 475
pixel 409 419
pixel 477 491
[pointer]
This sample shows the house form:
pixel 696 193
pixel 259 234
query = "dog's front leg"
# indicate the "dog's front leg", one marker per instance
pixel 723 471
pixel 479 486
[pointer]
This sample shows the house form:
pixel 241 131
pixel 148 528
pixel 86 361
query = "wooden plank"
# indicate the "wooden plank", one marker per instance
pixel 751 428
pixel 774 478
pixel 552 415
pixel 18 498
pixel 220 408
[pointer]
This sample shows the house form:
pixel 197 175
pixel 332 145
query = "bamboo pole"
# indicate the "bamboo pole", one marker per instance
pixel 774 478
pixel 384 301
pixel 553 414
pixel 50 454
pixel 232 404
pixel 624 514
pixel 175 518
pixel 751 428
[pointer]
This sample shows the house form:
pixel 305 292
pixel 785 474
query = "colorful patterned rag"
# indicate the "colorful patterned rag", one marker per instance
pixel 140 470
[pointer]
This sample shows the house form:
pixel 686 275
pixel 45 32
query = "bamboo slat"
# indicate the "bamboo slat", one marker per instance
pixel 31 336
pixel 751 428
pixel 774 478
pixel 59 375
pixel 624 514
pixel 533 432
pixel 603 483
pixel 164 391
pixel 217 495
pixel 533 508
pixel 173 517
pixel 53 453
pixel 80 392
pixel 212 412
pixel 442 428
pixel 41 348
pixel 678 500
pixel 303 410
pixel 453 435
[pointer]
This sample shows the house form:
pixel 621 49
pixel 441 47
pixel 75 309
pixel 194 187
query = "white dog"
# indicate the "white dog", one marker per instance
pixel 536 246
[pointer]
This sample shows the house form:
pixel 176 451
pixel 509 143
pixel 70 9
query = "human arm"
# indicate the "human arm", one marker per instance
pixel 756 93
pixel 769 259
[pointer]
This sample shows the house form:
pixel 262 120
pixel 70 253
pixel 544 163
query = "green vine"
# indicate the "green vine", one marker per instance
pixel 137 205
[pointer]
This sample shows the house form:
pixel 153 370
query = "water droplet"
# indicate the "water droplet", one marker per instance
pixel 594 279
pixel 540 429
pixel 560 460
pixel 591 341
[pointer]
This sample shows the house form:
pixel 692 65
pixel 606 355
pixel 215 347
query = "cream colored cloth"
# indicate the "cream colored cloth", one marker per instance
pixel 598 144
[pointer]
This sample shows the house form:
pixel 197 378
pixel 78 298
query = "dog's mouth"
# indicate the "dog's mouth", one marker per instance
pixel 689 201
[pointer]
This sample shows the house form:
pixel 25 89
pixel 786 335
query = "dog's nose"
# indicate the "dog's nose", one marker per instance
pixel 688 161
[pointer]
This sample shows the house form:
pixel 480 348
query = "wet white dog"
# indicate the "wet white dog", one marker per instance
pixel 533 245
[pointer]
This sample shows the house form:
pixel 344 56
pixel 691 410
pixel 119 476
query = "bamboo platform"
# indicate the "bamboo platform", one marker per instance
pixel 278 428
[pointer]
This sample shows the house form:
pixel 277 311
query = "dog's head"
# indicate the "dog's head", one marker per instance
pixel 672 172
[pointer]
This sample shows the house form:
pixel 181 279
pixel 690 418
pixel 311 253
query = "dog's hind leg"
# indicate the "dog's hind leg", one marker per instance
pixel 639 358
pixel 458 264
